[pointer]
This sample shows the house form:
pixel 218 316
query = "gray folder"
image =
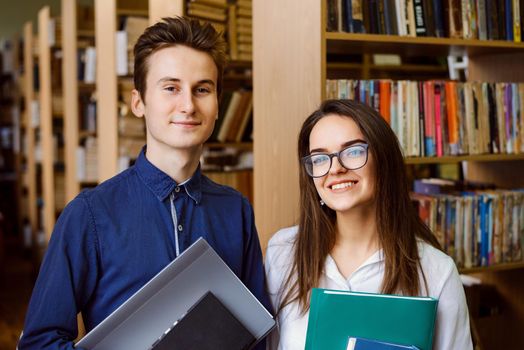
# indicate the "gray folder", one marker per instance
pixel 145 316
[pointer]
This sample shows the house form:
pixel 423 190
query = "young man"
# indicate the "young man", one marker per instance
pixel 111 240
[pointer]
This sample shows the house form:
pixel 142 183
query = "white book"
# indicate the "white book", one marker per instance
pixel 90 65
pixel 35 114
pixel 52 30
pixel 121 53
pixel 80 163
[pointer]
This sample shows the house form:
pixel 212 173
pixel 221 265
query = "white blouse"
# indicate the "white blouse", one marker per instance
pixel 452 329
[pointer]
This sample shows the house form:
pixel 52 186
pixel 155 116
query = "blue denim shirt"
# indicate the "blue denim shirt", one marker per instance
pixel 111 240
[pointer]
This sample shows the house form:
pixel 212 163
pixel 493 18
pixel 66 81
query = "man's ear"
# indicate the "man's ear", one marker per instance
pixel 137 105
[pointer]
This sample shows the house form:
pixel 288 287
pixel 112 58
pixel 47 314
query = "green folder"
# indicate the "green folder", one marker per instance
pixel 336 315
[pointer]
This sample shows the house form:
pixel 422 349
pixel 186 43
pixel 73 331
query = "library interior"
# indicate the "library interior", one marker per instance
pixel 446 75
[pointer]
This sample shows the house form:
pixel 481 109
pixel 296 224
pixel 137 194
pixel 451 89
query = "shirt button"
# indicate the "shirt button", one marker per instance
pixel 177 189
pixel 180 227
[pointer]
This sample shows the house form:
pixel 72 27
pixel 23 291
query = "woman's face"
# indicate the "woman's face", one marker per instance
pixel 342 189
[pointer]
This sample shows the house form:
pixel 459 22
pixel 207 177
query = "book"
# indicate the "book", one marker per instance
pixel 370 344
pixel 336 315
pixel 222 329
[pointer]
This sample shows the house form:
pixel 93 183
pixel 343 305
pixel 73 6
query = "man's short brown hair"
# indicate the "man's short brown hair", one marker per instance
pixel 172 31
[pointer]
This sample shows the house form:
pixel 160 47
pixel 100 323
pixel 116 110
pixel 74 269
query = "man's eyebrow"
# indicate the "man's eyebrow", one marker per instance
pixel 176 80
pixel 344 145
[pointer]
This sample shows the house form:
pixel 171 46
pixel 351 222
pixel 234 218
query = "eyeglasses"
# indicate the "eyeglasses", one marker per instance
pixel 352 158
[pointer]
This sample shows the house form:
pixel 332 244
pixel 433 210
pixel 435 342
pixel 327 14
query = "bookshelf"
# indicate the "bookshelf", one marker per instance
pixel 51 118
pixel 10 159
pixel 286 98
pixel 114 88
pixel 78 92
pixel 28 92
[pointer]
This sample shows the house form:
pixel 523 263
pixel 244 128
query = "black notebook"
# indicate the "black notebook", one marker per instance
pixel 207 325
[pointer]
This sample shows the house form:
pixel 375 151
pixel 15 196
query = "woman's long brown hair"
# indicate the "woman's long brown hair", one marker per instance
pixel 398 224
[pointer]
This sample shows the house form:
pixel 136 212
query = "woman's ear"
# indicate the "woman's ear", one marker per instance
pixel 137 105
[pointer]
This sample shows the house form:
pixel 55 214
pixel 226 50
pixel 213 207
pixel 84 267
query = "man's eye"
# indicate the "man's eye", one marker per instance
pixel 202 90
pixel 170 88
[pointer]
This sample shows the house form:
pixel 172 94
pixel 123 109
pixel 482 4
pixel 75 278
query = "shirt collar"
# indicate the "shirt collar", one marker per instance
pixel 331 270
pixel 162 184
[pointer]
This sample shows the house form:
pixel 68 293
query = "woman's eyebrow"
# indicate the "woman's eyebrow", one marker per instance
pixel 345 144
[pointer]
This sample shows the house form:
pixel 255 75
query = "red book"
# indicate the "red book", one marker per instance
pixel 385 100
pixel 438 120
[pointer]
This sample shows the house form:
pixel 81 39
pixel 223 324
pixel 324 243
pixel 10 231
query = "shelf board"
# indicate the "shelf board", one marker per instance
pixel 228 171
pixel 241 77
pixel 132 12
pixel 82 134
pixel 85 33
pixel 246 146
pixel 86 86
pixel 415 46
pixel 497 267
pixel 238 64
pixel 457 159
pixel 412 68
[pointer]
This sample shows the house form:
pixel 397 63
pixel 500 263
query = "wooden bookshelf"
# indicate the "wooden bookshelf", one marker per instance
pixel 70 87
pixel 46 121
pixel 465 158
pixel 107 130
pixel 29 96
pixel 106 82
pixel 288 89
pixel 106 14
pixel 162 8
pixel 406 45
pixel 492 268
pixel 245 146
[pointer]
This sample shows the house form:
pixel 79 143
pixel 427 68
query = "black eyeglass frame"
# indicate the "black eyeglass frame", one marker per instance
pixel 335 154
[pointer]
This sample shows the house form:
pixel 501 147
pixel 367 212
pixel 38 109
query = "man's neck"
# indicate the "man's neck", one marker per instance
pixel 180 165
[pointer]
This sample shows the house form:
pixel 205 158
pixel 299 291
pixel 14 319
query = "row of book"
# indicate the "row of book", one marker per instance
pixel 224 158
pixel 86 65
pixel 233 18
pixel 87 109
pixel 440 118
pixel 235 119
pixel 468 19
pixel 242 180
pixel 87 160
pixel 476 228
pixel 240 33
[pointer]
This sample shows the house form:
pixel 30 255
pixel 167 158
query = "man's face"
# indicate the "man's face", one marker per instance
pixel 181 104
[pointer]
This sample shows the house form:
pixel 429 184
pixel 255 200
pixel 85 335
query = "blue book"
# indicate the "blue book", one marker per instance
pixel 509 20
pixel 369 344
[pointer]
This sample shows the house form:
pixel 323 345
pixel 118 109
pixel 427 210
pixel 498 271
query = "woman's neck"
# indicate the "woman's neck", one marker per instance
pixel 356 239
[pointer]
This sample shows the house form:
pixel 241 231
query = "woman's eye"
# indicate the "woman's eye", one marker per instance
pixel 319 160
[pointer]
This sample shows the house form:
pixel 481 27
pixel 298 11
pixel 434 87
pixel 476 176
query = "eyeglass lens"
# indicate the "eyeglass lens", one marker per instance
pixel 351 158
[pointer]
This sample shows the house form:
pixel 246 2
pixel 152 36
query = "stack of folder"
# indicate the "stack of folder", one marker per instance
pixel 337 316
pixel 195 302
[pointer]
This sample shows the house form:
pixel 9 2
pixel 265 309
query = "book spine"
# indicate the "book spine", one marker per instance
pixel 516 21
pixel 438 121
pixel 420 25
pixel 481 19
pixel 508 6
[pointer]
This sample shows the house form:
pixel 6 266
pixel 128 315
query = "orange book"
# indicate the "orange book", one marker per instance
pixel 385 100
pixel 451 103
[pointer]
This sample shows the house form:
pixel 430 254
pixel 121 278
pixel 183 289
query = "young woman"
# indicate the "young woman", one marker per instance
pixel 358 230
